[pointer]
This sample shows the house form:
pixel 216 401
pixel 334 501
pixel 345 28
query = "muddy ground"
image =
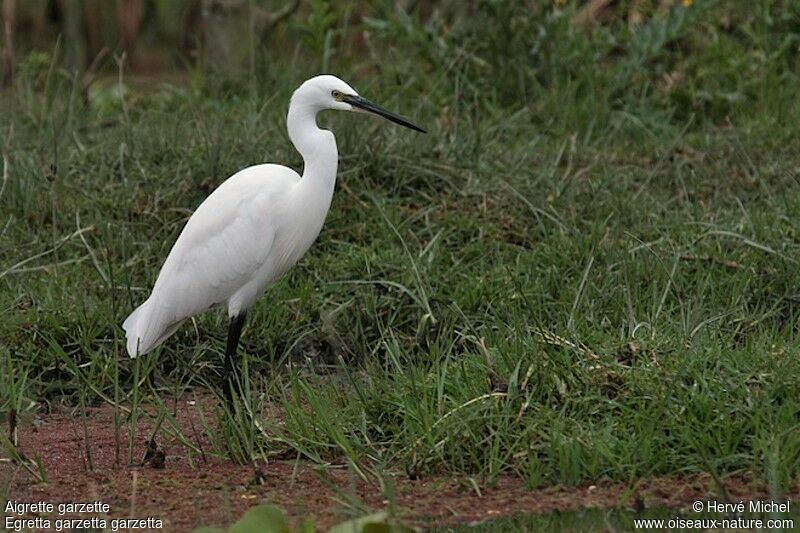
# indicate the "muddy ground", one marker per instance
pixel 188 493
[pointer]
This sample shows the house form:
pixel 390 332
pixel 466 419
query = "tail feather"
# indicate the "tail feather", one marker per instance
pixel 145 330
pixel 135 326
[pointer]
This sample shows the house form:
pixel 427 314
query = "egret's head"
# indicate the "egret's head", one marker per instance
pixel 329 92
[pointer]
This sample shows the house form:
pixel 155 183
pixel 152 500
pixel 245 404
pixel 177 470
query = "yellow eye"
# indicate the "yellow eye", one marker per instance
pixel 337 95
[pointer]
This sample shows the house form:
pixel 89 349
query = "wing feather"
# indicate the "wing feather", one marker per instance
pixel 222 247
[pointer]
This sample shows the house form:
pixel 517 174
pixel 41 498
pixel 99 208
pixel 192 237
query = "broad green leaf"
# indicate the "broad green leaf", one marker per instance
pixel 262 519
pixel 374 523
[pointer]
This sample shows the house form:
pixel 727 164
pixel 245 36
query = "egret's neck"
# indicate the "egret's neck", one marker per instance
pixel 317 146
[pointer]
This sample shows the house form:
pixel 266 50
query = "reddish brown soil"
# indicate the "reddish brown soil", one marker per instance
pixel 186 494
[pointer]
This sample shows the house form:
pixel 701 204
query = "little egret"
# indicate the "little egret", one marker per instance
pixel 253 228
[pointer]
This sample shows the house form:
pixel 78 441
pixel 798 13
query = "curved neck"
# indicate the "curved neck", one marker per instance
pixel 317 146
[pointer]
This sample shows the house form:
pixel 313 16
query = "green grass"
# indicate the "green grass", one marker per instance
pixel 587 269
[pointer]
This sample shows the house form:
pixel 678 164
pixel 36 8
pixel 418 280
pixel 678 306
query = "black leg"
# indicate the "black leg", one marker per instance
pixel 230 376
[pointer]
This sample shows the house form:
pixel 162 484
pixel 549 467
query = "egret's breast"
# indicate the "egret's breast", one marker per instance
pixel 298 220
pixel 294 242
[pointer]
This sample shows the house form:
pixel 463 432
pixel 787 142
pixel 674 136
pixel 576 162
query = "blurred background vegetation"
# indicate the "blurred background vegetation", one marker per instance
pixel 162 35
pixel 165 35
pixel 682 54
pixel 686 58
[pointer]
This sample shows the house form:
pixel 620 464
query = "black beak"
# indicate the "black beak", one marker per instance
pixel 366 105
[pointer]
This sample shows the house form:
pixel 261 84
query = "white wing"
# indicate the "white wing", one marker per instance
pixel 222 248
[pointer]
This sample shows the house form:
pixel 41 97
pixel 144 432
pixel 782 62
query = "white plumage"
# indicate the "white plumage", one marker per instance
pixel 217 256
pixel 253 227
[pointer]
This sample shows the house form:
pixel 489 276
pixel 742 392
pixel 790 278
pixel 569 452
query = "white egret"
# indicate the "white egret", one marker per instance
pixel 254 227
